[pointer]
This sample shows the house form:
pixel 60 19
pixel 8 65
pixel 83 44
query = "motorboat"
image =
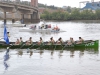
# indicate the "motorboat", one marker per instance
pixel 44 29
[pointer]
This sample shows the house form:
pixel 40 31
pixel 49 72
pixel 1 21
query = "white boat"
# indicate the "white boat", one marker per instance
pixel 43 28
pixel 49 30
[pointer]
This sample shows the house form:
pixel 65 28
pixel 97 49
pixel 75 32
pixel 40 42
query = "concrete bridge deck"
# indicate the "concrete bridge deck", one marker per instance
pixel 24 8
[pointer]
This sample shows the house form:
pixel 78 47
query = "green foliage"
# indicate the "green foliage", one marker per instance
pixel 75 14
pixel 46 6
pixel 69 9
pixel 98 14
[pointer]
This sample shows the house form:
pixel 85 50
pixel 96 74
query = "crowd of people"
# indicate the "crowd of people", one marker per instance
pixel 51 41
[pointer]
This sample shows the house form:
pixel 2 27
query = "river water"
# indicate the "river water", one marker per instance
pixel 53 62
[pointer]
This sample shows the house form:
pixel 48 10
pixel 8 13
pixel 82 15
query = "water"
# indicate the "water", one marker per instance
pixel 53 62
pixel 73 29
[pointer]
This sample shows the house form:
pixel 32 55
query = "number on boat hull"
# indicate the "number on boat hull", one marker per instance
pixel 90 44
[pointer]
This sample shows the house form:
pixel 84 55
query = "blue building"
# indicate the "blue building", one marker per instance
pixel 92 6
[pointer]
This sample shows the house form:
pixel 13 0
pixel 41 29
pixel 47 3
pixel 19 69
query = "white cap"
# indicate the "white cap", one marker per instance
pixel 7 47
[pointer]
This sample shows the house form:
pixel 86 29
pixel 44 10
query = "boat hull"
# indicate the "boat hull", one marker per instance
pixel 40 30
pixel 45 45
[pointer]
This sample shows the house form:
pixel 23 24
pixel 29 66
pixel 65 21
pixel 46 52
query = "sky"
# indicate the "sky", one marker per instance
pixel 61 3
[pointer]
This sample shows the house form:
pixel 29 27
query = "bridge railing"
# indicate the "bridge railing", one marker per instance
pixel 26 3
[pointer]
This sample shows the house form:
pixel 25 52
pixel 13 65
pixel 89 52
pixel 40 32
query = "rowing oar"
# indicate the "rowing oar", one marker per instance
pixel 22 46
pixel 66 44
pixel 42 44
pixel 30 47
pixel 55 46
pixel 51 45
pixel 62 44
pixel 64 47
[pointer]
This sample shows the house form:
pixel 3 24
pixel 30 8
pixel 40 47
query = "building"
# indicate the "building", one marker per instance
pixel 34 3
pixel 91 5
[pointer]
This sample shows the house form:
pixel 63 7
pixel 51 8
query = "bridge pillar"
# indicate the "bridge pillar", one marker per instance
pixel 4 17
pixel 35 17
pixel 31 17
pixel 22 18
pixel 13 18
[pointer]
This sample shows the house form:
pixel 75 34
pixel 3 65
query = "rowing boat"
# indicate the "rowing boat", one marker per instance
pixel 46 45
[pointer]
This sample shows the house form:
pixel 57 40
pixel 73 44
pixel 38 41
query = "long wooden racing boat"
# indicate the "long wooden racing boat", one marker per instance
pixel 55 46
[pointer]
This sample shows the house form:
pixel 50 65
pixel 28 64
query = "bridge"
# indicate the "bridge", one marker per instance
pixel 23 8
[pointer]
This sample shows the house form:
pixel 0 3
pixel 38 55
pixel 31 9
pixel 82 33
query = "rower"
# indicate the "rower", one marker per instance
pixel 40 41
pixel 17 42
pixel 21 41
pixel 71 41
pixel 59 41
pixel 80 40
pixel 56 28
pixel 51 40
pixel 29 42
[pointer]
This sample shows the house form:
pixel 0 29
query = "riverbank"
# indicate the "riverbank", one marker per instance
pixel 79 21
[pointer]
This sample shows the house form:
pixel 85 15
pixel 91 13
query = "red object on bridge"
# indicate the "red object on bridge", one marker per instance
pixel 34 3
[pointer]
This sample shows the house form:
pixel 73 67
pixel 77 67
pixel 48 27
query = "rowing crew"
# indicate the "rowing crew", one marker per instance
pixel 28 42
pixel 69 42
pixel 51 41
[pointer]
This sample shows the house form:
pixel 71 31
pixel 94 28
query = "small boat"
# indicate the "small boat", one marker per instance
pixel 46 45
pixel 44 29
pixel 40 30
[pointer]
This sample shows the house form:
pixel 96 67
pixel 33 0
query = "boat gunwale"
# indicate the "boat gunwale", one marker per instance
pixel 45 44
